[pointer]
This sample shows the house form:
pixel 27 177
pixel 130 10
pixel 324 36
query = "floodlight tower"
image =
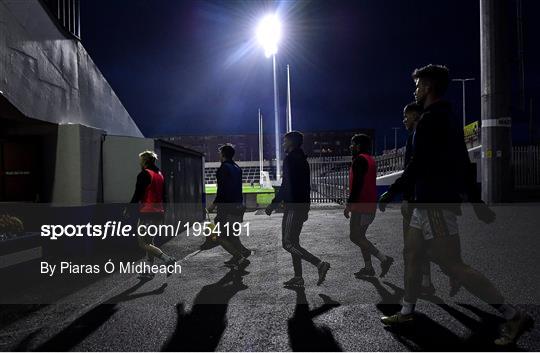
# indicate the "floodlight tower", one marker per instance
pixel 269 35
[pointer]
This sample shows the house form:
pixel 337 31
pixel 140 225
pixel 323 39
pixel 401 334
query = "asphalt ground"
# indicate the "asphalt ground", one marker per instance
pixel 208 307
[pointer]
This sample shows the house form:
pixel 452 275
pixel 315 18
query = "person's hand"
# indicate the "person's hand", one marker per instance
pixel 347 212
pixel 484 213
pixel 384 200
pixel 269 209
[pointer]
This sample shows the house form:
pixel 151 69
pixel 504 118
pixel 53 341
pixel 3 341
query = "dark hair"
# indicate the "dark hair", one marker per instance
pixel 413 108
pixel 362 140
pixel 296 137
pixel 227 151
pixel 437 75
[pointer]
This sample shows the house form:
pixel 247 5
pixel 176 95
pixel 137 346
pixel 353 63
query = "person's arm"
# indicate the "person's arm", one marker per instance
pixel 143 180
pixel 220 176
pixel 359 168
pixel 285 184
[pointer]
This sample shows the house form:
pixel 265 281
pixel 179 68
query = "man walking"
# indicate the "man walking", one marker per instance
pixel 362 204
pixel 294 193
pixel 440 172
pixel 411 114
pixel 230 208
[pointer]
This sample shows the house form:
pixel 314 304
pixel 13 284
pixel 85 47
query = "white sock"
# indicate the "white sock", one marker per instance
pixel 407 308
pixel 380 256
pixel 426 280
pixel 508 311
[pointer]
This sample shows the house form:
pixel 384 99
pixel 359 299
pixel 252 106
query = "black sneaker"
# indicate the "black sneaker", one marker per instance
pixel 241 264
pixel 385 266
pixel 294 282
pixel 365 272
pixel 232 261
pixel 323 269
pixel 145 276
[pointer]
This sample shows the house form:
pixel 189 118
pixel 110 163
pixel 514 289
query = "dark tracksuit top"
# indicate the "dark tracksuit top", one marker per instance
pixel 408 193
pixel 229 184
pixel 295 188
pixel 439 169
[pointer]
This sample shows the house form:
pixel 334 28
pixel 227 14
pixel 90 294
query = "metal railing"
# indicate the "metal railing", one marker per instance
pixel 526 163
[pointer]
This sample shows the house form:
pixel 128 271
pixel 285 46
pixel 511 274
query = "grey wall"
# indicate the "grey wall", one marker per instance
pixel 50 77
pixel 121 166
pixel 78 165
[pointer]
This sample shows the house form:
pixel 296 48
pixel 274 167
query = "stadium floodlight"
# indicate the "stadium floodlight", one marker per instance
pixel 269 34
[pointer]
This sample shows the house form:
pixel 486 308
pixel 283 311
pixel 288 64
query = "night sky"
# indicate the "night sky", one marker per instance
pixel 195 67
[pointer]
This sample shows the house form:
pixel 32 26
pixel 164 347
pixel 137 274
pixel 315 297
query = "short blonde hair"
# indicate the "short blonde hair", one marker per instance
pixel 148 158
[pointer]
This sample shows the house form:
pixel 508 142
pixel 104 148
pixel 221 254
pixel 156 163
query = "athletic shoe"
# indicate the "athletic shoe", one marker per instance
pixel 427 290
pixel 365 272
pixel 385 266
pixel 514 328
pixel 294 282
pixel 232 261
pixel 241 264
pixel 145 276
pixel 170 261
pixel 322 269
pixel 455 286
pixel 397 319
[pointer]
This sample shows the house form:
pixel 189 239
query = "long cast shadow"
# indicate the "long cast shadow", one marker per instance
pixel 428 335
pixel 89 322
pixel 304 335
pixel 201 328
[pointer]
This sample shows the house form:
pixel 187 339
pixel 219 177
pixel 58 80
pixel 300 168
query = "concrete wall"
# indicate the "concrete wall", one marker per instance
pixel 78 165
pixel 50 77
pixel 121 166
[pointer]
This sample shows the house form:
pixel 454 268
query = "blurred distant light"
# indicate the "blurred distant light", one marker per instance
pixel 269 34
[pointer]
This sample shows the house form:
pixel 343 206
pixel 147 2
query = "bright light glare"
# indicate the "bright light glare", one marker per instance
pixel 269 34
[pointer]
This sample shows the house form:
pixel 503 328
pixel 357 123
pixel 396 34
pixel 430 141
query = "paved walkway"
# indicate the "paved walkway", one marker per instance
pixel 208 307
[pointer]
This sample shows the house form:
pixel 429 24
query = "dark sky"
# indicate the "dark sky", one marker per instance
pixel 194 67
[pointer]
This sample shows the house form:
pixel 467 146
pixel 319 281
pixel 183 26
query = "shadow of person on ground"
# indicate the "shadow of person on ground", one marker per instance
pixel 201 328
pixel 304 335
pixel 89 322
pixel 390 302
pixel 428 335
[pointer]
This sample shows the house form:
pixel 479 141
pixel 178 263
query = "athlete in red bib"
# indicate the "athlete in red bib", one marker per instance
pixel 362 204
pixel 150 195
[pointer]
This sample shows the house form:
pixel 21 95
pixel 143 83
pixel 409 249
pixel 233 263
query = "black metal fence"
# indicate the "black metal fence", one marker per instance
pixel 330 175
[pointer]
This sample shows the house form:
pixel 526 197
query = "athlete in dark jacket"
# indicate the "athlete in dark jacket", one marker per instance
pixel 294 194
pixel 440 171
pixel 230 208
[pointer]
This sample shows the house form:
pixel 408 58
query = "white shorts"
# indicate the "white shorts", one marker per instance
pixel 434 222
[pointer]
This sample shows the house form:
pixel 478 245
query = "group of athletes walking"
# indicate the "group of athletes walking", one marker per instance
pixel 438 176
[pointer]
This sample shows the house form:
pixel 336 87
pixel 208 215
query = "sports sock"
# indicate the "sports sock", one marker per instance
pixel 407 308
